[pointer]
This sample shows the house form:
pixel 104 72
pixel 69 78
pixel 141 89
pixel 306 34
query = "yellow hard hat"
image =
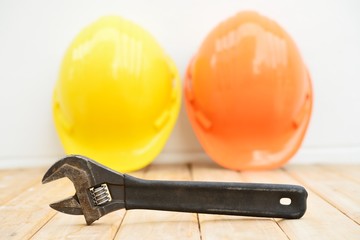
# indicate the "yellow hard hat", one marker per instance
pixel 118 95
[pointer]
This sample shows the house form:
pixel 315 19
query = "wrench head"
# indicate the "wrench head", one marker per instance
pixel 94 183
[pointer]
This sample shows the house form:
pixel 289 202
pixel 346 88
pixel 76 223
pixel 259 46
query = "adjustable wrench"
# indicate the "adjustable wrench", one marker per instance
pixel 100 190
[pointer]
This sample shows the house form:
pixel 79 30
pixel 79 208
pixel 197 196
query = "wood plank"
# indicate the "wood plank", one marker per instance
pixel 15 181
pixel 24 209
pixel 150 224
pixel 29 211
pixel 75 226
pixel 351 171
pixel 232 227
pixel 321 220
pixel 334 187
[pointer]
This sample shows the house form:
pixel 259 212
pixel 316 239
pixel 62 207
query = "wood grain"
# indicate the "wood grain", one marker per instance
pixel 351 171
pixel 333 207
pixel 74 227
pixel 321 220
pixel 340 191
pixel 13 182
pixel 150 224
pixel 23 216
pixel 231 227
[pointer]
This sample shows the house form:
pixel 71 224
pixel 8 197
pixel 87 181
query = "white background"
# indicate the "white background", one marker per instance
pixel 35 34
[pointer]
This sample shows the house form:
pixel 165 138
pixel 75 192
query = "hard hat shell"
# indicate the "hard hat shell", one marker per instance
pixel 118 95
pixel 248 94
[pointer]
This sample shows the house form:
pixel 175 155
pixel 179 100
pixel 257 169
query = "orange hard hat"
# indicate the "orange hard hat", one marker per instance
pixel 248 94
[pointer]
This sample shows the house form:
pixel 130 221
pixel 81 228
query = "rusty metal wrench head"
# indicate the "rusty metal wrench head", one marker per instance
pixel 92 182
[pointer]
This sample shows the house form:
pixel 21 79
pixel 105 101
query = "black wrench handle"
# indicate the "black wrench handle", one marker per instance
pixel 243 199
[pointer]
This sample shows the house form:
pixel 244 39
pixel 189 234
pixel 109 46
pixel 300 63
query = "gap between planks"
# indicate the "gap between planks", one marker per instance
pixel 333 185
pixel 25 215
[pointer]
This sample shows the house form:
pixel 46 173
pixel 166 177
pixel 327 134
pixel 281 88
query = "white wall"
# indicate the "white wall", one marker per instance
pixel 35 34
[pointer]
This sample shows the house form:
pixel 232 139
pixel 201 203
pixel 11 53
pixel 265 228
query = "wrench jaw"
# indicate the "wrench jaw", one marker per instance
pixel 87 175
pixel 69 205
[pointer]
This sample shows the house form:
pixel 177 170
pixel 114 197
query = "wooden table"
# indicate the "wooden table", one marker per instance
pixel 333 207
